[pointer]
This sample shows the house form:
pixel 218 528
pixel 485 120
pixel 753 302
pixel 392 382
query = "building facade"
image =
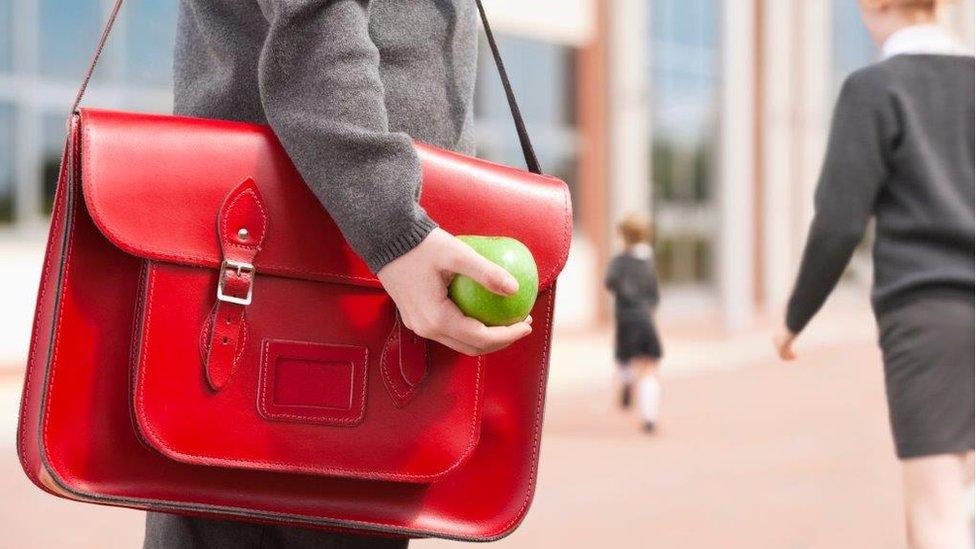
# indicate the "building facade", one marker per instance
pixel 717 114
pixel 710 115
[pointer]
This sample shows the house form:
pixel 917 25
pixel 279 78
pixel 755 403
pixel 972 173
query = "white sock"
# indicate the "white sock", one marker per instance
pixel 625 374
pixel 649 398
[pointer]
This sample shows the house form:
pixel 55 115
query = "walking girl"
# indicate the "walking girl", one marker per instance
pixel 901 151
pixel 347 87
pixel 633 282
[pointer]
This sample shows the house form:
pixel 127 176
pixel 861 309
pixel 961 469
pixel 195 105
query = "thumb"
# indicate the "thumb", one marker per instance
pixel 493 277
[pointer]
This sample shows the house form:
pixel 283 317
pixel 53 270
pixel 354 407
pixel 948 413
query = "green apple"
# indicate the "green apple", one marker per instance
pixel 478 302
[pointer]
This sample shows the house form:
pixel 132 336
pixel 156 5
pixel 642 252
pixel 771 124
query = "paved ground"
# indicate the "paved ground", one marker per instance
pixel 752 454
pixel 768 456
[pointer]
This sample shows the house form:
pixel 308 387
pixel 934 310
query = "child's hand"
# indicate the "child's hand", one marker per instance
pixel 783 342
pixel 417 281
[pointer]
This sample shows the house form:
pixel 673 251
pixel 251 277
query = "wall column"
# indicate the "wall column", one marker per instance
pixel 630 115
pixel 27 182
pixel 591 211
pixel 796 101
pixel 736 198
pixel 777 240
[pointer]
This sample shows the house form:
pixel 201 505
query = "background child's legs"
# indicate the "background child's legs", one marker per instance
pixel 936 511
pixel 648 390
pixel 626 377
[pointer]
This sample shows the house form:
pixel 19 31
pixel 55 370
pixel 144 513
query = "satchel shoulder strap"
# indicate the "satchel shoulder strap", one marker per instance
pixel 531 162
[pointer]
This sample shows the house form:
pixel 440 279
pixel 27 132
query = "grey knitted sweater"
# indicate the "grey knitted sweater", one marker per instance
pixel 346 86
pixel 900 150
pixel 633 282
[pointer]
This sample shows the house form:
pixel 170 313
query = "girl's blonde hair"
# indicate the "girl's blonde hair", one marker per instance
pixel 635 229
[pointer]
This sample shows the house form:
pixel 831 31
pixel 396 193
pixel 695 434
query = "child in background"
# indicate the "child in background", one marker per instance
pixel 901 151
pixel 633 282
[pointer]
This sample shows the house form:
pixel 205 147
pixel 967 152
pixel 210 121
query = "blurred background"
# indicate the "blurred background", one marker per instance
pixel 709 115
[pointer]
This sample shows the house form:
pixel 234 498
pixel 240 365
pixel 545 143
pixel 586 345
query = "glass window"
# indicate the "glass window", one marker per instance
pixel 151 33
pixel 6 35
pixel 852 47
pixel 683 258
pixel 52 146
pixel 543 76
pixel 68 33
pixel 684 76
pixel 6 163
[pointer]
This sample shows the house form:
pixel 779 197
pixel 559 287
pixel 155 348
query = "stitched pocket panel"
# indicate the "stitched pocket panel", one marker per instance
pixel 312 382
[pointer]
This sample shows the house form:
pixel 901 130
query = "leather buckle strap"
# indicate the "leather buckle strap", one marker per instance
pixel 232 274
pixel 242 225
pixel 404 362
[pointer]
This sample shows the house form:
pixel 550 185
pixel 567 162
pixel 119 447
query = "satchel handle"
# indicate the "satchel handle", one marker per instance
pixel 531 162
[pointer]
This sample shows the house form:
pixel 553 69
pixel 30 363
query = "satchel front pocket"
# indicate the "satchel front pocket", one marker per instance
pixel 308 393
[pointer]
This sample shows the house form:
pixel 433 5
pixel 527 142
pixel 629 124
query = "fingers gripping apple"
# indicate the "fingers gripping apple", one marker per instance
pixel 492 309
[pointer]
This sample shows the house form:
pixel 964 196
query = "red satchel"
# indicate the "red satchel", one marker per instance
pixel 206 343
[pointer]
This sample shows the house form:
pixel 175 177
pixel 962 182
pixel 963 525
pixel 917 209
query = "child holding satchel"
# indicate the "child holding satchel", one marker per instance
pixel 339 83
pixel 633 282
pixel 901 150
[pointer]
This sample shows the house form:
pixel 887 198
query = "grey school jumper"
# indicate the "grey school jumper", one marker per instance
pixel 345 85
pixel 901 150
pixel 633 281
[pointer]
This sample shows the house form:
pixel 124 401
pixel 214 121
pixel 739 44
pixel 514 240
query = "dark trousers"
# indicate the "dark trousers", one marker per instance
pixel 165 531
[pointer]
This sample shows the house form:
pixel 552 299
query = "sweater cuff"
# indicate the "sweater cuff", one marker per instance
pixel 400 244
pixel 795 320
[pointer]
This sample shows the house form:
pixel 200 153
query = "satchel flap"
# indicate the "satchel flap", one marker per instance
pixel 160 202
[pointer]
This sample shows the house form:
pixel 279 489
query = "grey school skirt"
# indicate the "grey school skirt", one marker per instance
pixel 636 338
pixel 165 531
pixel 929 363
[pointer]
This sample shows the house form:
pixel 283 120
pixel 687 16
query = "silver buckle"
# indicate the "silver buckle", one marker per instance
pixel 240 267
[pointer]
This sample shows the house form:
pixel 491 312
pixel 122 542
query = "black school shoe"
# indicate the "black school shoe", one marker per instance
pixel 626 396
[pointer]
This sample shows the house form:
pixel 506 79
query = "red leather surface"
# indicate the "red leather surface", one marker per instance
pixel 466 196
pixel 93 328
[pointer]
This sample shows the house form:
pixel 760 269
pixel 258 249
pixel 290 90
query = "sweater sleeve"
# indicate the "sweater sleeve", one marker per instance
pixel 321 91
pixel 852 175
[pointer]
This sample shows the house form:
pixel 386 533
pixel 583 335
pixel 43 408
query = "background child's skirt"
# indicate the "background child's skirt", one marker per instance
pixel 637 338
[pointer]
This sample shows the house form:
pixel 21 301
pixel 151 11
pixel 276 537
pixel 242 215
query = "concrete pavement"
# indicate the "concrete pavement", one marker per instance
pixel 751 453
pixel 766 456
